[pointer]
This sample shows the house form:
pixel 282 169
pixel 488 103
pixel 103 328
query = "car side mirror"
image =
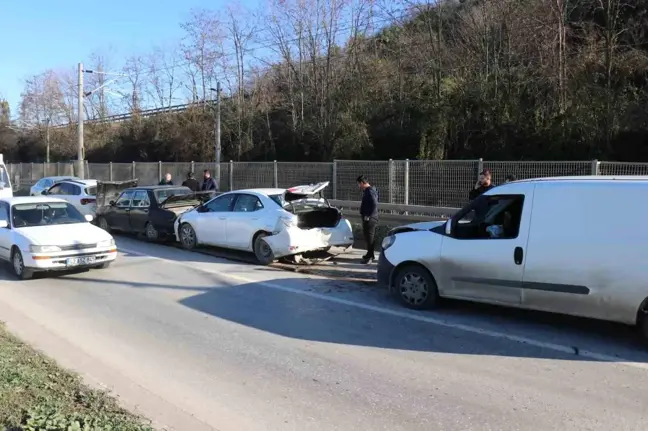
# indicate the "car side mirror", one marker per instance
pixel 89 218
pixel 448 227
pixel 111 203
pixel 44 192
pixel 4 224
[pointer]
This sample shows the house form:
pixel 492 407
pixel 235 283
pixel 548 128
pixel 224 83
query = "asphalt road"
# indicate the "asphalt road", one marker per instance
pixel 196 343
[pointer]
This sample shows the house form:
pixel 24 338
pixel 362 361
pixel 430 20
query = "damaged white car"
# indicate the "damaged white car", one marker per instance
pixel 271 223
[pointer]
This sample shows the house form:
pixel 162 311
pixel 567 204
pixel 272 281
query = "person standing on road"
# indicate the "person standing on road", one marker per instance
pixel 166 181
pixel 482 185
pixel 209 183
pixel 369 214
pixel 191 182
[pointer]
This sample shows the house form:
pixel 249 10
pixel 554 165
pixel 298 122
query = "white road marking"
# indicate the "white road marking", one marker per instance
pixel 406 315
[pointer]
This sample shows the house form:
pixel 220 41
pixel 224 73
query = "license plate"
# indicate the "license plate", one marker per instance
pixel 74 261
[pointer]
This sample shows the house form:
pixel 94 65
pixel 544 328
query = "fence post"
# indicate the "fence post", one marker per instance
pixel 406 181
pixel 390 181
pixel 231 175
pixel 58 169
pixel 334 179
pixel 596 167
pixel 31 174
pixel 133 171
pixel 275 181
pixel 193 168
pixel 480 167
pixel 159 170
pixel 44 169
pixel 110 174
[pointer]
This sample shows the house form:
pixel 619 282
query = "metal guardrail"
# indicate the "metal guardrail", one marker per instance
pixel 396 214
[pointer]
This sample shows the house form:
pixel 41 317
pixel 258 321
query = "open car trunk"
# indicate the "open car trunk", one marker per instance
pixel 179 204
pixel 311 208
pixel 318 217
pixel 110 190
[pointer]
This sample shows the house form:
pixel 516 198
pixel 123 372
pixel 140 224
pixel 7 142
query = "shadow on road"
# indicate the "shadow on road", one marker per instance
pixel 293 313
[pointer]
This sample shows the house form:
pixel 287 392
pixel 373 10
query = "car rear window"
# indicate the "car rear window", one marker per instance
pixel 162 194
pixel 91 191
pixel 278 199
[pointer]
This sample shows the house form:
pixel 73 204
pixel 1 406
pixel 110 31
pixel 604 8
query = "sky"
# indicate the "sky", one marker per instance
pixel 57 34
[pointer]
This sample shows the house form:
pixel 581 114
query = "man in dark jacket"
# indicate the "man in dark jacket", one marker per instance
pixel 208 182
pixel 166 181
pixel 191 182
pixel 369 214
pixel 483 185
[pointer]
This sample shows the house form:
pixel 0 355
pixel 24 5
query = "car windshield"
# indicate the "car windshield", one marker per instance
pixel 163 194
pixel 45 214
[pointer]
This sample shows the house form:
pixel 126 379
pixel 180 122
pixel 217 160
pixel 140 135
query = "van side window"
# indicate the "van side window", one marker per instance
pixel 490 217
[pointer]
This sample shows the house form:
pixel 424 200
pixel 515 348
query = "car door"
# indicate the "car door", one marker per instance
pixel 5 233
pixel 139 211
pixel 482 257
pixel 118 216
pixel 211 223
pixel 244 221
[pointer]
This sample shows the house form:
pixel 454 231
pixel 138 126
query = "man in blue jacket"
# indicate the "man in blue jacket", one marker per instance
pixel 369 214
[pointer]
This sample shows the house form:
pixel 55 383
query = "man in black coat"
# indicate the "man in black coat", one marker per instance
pixel 369 214
pixel 208 182
pixel 483 185
pixel 166 181
pixel 191 182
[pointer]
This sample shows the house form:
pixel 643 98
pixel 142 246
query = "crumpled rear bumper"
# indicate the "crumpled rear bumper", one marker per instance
pixel 293 240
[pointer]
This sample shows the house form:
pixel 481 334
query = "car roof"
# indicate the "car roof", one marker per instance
pixel 29 200
pixel 156 188
pixel 584 178
pixel 83 182
pixel 266 192
pixel 60 177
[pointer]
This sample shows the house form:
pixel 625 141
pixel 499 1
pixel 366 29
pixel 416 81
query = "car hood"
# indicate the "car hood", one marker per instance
pixel 424 225
pixel 303 192
pixel 67 234
pixel 196 199
pixel 110 190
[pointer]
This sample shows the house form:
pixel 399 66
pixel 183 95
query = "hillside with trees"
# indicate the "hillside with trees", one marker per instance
pixel 357 79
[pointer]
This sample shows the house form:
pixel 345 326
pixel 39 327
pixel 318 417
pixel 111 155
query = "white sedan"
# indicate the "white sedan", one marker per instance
pixel 49 234
pixel 272 223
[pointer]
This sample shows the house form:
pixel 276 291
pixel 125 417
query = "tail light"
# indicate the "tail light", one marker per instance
pixel 86 201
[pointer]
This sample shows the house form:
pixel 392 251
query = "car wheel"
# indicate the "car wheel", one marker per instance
pixel 103 224
pixel 416 287
pixel 262 250
pixel 105 265
pixel 151 233
pixel 18 265
pixel 188 236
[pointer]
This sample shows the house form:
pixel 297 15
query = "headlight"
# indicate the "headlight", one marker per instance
pixel 388 241
pixel 106 243
pixel 44 248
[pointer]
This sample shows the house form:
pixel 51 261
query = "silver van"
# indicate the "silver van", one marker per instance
pixel 570 245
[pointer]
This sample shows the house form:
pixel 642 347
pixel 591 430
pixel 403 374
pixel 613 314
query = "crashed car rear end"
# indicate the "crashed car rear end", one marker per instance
pixel 309 224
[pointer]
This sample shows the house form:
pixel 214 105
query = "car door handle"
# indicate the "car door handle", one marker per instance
pixel 222 218
pixel 518 255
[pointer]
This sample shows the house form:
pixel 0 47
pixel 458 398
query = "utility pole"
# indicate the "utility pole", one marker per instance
pixel 80 165
pixel 47 140
pixel 217 133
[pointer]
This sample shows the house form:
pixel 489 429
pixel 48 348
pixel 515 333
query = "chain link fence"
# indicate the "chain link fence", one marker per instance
pixel 443 183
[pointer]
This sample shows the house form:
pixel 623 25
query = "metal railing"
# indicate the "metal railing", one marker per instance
pixel 425 183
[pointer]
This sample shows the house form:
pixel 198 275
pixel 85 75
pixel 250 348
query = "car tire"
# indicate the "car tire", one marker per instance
pixel 151 233
pixel 103 224
pixel 416 288
pixel 187 236
pixel 262 250
pixel 105 265
pixel 18 266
